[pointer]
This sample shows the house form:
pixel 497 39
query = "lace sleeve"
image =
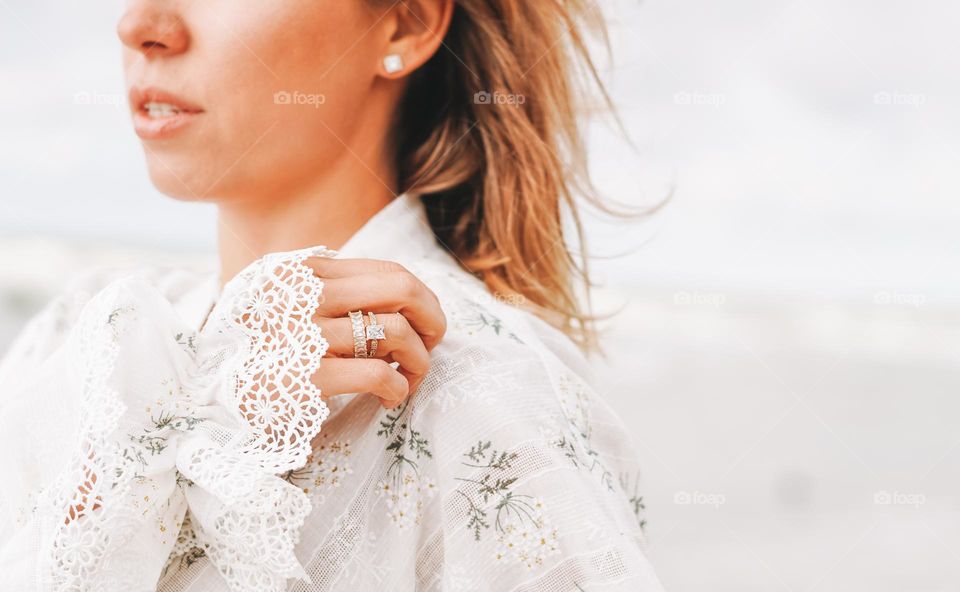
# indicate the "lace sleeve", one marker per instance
pixel 157 420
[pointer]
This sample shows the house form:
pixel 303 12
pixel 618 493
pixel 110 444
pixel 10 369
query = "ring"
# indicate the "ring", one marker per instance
pixel 359 341
pixel 374 333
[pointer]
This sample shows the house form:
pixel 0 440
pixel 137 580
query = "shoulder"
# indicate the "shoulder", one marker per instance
pixel 494 328
pixel 500 361
pixel 506 417
pixel 500 364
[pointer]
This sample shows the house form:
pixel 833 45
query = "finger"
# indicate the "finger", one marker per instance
pixel 398 292
pixel 331 268
pixel 398 276
pixel 402 345
pixel 339 376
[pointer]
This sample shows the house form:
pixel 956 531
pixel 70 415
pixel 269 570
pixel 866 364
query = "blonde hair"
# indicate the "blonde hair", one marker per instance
pixel 488 135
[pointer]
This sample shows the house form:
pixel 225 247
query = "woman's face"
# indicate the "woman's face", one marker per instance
pixel 234 98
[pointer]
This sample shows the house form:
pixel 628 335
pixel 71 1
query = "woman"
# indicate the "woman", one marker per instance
pixel 192 431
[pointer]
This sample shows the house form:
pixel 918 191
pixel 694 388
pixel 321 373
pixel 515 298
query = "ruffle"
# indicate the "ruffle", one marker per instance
pixel 171 420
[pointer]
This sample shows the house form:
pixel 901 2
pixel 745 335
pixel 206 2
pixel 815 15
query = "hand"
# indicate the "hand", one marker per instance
pixel 410 312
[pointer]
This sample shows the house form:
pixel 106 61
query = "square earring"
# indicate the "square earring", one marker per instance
pixel 393 63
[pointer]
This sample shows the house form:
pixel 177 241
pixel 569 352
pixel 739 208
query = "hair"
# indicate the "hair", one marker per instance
pixel 488 136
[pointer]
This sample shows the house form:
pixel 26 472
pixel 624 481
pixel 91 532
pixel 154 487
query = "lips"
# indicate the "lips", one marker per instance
pixel 158 114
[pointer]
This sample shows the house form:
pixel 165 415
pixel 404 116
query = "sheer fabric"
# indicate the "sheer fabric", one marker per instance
pixel 152 451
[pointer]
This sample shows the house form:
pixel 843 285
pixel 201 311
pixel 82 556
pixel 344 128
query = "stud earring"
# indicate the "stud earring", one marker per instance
pixel 393 63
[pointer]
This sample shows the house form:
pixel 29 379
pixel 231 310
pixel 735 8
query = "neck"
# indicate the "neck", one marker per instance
pixel 327 212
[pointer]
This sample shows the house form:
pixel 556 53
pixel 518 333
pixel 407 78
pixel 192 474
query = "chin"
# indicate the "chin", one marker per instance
pixel 179 183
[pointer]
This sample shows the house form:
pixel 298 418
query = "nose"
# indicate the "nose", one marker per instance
pixel 152 30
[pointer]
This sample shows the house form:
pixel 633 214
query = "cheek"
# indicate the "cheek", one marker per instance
pixel 296 70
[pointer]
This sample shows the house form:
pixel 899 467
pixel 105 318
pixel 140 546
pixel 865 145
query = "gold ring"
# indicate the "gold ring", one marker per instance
pixel 359 342
pixel 375 332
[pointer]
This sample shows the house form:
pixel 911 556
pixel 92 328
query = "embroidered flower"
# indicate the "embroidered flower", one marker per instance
pixel 332 464
pixel 404 487
pixel 528 539
pixel 522 531
pixel 405 503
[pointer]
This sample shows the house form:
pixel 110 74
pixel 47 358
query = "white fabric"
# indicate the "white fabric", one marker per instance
pixel 144 452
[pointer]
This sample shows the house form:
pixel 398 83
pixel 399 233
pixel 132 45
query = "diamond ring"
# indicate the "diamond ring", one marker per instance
pixel 359 341
pixel 375 332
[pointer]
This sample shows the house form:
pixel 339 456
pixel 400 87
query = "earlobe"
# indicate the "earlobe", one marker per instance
pixel 393 63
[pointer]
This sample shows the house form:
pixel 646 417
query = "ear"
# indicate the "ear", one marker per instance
pixel 416 29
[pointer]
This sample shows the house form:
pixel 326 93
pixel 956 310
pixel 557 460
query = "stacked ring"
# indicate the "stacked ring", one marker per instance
pixel 359 335
pixel 374 333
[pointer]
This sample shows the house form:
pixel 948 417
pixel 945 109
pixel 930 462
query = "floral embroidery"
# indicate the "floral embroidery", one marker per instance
pixel 577 445
pixel 405 501
pixel 188 341
pixel 467 378
pixel 333 464
pixel 168 421
pixel 153 440
pixel 477 318
pixel 524 534
pixel 186 551
pixel 636 500
pixel 404 488
pixel 327 466
pixel 528 542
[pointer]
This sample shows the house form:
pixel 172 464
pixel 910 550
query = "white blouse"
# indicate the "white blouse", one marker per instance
pixel 162 434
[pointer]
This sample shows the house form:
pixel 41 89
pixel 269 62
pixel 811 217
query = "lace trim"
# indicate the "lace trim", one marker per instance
pixel 273 304
pixel 83 526
pixel 245 516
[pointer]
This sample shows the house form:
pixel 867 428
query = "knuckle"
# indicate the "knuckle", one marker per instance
pixel 402 386
pixel 385 266
pixel 407 285
pixel 319 379
pixel 421 365
pixel 319 265
pixel 323 309
pixel 443 323
pixel 381 371
pixel 398 326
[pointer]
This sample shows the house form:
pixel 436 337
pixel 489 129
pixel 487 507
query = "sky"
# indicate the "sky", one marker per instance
pixel 808 147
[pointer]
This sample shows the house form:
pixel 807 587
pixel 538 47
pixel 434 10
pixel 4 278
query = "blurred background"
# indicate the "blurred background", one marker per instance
pixel 788 354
